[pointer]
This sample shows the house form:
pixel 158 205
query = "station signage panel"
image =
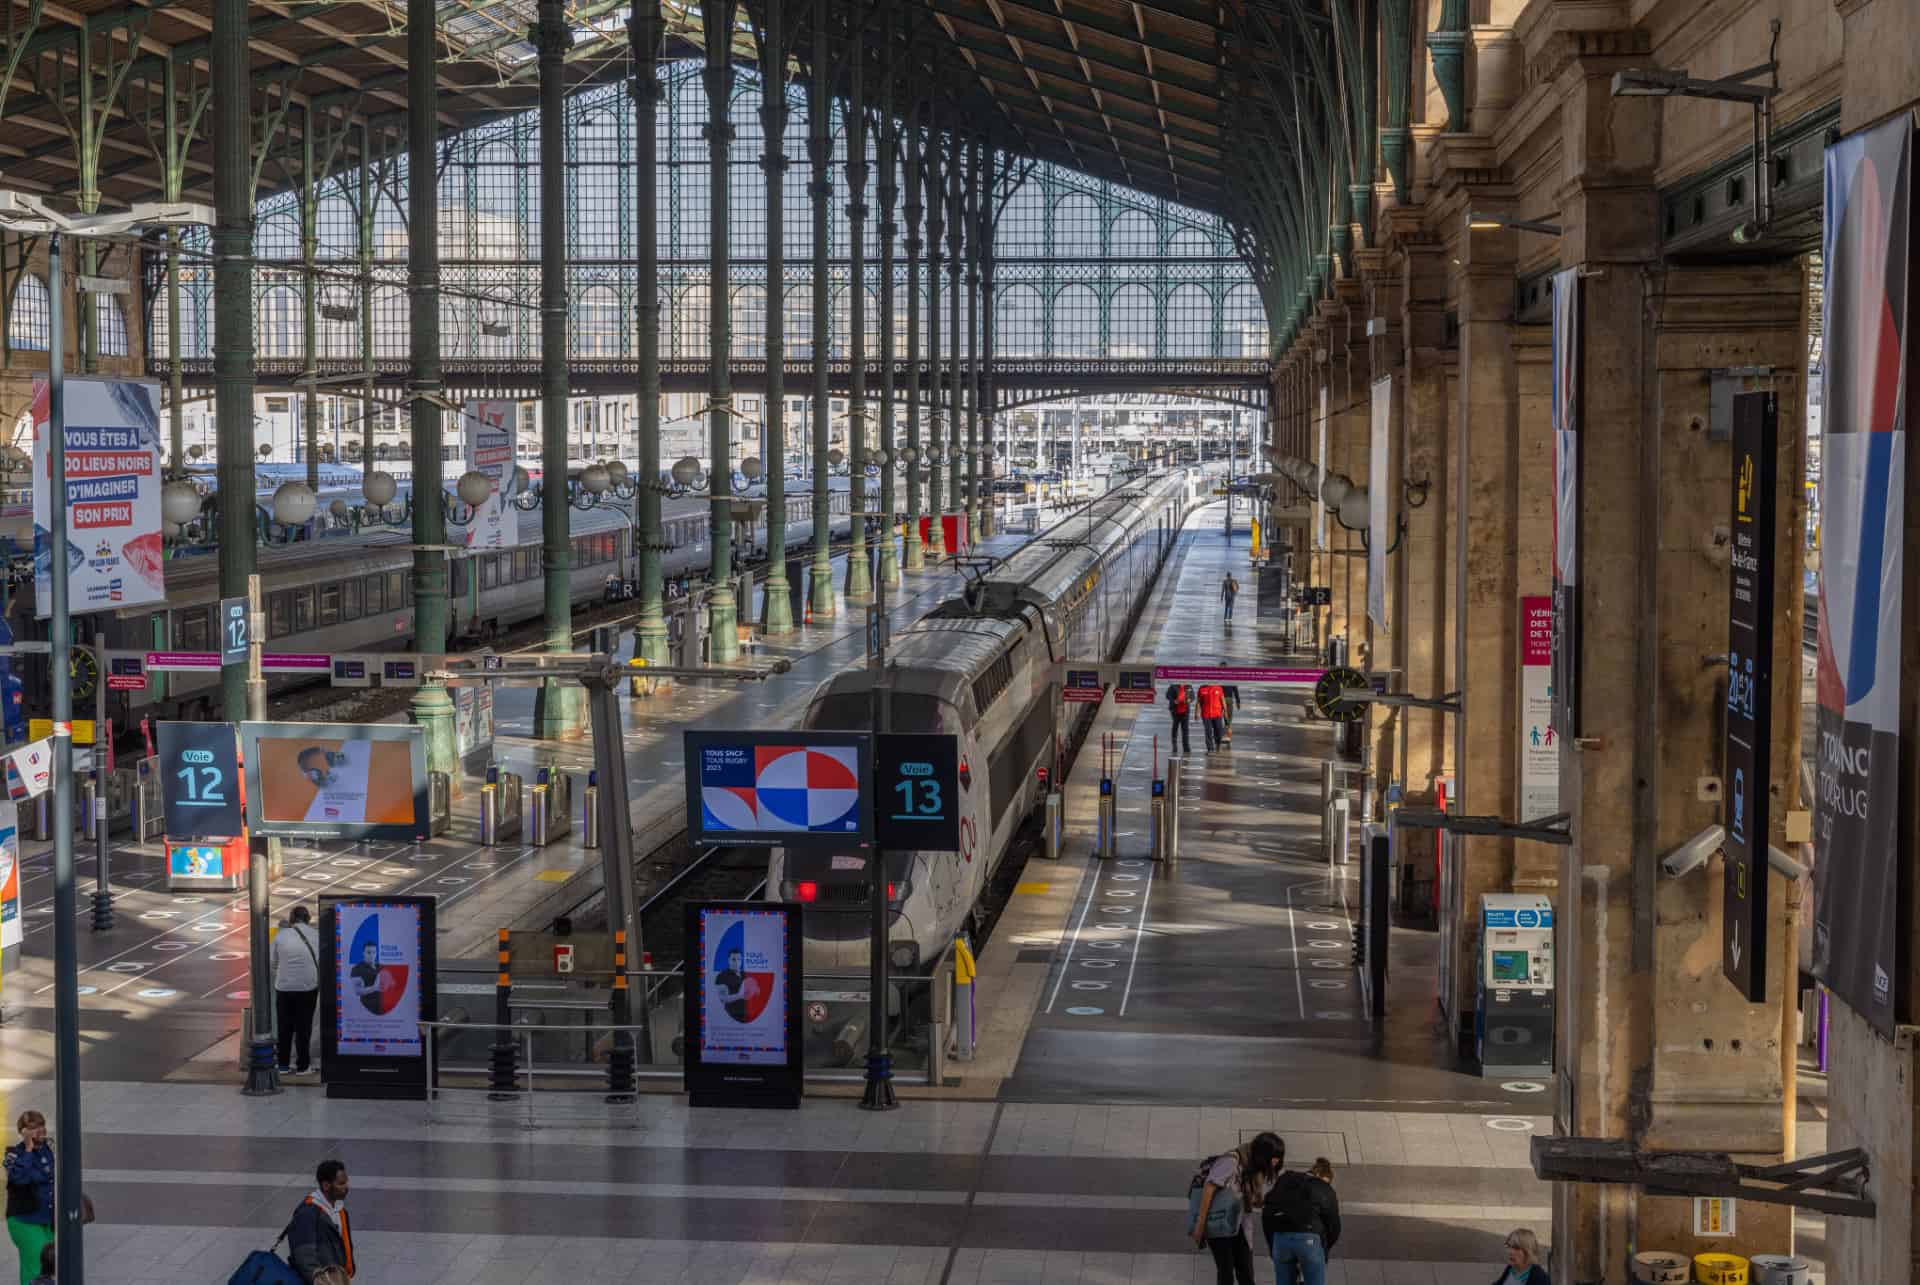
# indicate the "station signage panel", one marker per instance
pixel 796 789
pixel 1749 722
pixel 199 773
pixel 1133 687
pixel 1083 686
pixel 916 791
pixel 236 633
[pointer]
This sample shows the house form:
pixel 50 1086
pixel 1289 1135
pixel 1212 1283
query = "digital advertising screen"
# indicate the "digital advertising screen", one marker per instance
pixel 377 965
pixel 12 929
pixel 742 1013
pixel 801 788
pixel 352 780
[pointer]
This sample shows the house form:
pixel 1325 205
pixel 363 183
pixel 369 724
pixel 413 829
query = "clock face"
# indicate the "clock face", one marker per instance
pixel 83 671
pixel 1327 694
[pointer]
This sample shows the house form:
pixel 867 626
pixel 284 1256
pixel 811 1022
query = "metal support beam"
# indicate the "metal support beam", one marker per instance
pixel 647 30
pixel 936 405
pixel 974 202
pixel 777 615
pixel 956 372
pixel 820 188
pixel 232 245
pixel 915 553
pixel 888 191
pixel 859 581
pixel 723 639
pixel 557 705
pixel 430 706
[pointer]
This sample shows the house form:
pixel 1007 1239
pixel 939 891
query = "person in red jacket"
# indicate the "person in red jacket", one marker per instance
pixel 1213 712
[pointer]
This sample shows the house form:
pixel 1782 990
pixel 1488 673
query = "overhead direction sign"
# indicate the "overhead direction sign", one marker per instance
pixel 1133 687
pixel 235 633
pixel 199 773
pixel 1083 686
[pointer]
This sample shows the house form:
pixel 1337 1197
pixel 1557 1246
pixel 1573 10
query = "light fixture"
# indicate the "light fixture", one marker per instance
pixel 1333 489
pixel 751 469
pixel 617 472
pixel 595 480
pixel 179 502
pixel 684 470
pixel 474 487
pixel 379 488
pixel 1481 221
pixel 293 504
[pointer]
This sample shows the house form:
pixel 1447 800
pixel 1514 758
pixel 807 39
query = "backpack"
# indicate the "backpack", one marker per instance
pixel 1289 1208
pixel 1223 1215
pixel 266 1267
pixel 1180 703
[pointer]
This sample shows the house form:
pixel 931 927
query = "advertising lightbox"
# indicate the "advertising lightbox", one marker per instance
pixel 795 789
pixel 377 966
pixel 336 780
pixel 742 1018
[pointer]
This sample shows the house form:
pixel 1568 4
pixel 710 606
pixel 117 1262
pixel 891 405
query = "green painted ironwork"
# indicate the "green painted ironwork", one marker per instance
pixel 820 188
pixel 775 109
pixel 859 577
pixel 723 640
pixel 648 30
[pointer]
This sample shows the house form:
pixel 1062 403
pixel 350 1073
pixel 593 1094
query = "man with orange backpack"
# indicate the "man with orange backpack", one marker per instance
pixel 1180 707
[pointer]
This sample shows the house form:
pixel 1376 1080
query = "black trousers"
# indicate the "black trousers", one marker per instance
pixel 1216 732
pixel 1232 1260
pixel 295 1010
pixel 1180 736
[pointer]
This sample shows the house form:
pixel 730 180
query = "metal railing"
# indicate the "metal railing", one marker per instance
pixel 555 1093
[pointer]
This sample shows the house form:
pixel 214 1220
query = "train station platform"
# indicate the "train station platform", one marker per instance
pixel 1137 1020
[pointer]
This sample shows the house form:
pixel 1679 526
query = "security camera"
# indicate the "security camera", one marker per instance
pixel 1693 854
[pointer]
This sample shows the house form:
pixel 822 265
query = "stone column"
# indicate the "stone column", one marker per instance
pixel 1383 288
pixel 430 706
pixel 646 31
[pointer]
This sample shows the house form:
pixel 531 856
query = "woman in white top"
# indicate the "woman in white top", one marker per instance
pixel 1242 1176
pixel 296 989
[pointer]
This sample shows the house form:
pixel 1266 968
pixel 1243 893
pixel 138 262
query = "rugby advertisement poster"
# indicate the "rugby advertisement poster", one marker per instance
pixel 792 789
pixel 742 1018
pixel 377 977
pixel 111 437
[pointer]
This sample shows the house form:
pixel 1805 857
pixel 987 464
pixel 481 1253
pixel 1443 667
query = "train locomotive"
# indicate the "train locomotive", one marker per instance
pixel 979 666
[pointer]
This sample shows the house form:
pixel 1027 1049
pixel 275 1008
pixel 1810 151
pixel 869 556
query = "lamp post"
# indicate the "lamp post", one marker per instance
pixel 25 214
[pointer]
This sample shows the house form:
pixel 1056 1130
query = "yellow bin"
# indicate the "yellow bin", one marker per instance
pixel 1720 1269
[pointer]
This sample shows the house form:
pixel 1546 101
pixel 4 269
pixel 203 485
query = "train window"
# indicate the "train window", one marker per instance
pixel 489 573
pixel 458 569
pixel 376 594
pixel 279 616
pixel 350 600
pixel 330 604
pixel 396 590
pixel 302 610
pixel 190 629
pixel 522 564
pixel 608 547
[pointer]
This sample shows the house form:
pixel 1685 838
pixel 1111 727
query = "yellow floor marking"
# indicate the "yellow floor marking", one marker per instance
pixel 554 876
pixel 1033 889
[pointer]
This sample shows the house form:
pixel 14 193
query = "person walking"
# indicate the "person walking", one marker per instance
pixel 320 1238
pixel 296 990
pixel 1180 708
pixel 1523 1260
pixel 30 1198
pixel 1225 1191
pixel 1213 712
pixel 1229 590
pixel 1231 702
pixel 1300 1222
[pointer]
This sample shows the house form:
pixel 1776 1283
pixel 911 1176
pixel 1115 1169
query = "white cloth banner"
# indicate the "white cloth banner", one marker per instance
pixel 490 428
pixel 112 442
pixel 1379 503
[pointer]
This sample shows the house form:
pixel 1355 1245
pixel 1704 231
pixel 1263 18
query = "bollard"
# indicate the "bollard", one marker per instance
pixel 500 1056
pixel 1176 769
pixel 590 812
pixel 1337 855
pixel 965 1031
pixel 440 814
pixel 43 817
pixel 1328 775
pixel 89 809
pixel 537 813
pixel 1106 842
pixel 1054 822
pixel 1157 822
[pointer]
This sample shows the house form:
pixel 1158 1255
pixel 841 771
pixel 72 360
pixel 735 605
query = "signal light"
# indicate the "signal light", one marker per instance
pixel 891 894
pixel 807 890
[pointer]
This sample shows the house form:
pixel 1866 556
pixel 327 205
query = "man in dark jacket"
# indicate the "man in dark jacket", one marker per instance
pixel 1180 709
pixel 319 1236
pixel 1301 1222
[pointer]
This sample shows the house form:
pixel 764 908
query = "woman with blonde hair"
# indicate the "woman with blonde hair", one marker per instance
pixel 1523 1260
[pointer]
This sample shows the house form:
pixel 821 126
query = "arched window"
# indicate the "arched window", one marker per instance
pixel 30 320
pixel 1189 322
pixel 596 325
pixel 279 328
pixel 1022 230
pixel 1016 322
pixel 749 321
pixel 1076 227
pixel 338 336
pixel 842 324
pixel 390 325
pixel 110 325
pixel 1076 323
pixel 1192 243
pixel 691 336
pixel 1134 236
pixel 1243 323
pixel 196 327
pixel 800 323
pixel 1130 323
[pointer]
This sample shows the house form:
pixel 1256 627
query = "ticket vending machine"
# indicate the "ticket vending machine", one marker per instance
pixel 1513 1011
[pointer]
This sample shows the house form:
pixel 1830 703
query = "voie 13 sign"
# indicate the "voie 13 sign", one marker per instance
pixel 916 791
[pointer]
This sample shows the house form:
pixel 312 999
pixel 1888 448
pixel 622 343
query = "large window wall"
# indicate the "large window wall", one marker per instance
pixel 1086 269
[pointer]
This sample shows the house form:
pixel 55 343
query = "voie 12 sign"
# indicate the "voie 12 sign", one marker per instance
pixel 200 780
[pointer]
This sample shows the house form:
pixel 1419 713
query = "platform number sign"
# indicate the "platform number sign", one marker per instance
pixel 916 802
pixel 200 780
pixel 235 634
pixel 1749 722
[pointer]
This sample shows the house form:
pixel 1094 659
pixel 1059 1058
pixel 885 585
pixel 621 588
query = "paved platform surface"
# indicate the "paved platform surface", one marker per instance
pixel 1062 1156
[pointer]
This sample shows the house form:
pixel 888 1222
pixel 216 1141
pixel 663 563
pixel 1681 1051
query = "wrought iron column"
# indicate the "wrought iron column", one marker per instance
pixel 722 612
pixel 777 616
pixel 369 410
pixel 557 704
pixel 956 345
pixel 232 245
pixel 886 449
pixel 988 188
pixel 646 31
pixel 936 403
pixel 430 706
pixel 859 581
pixel 915 554
pixel 820 188
pixel 975 217
pixel 309 305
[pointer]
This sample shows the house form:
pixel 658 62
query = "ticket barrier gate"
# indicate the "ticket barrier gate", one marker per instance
pixel 439 802
pixel 1106 841
pixel 500 807
pixel 40 817
pixel 1157 821
pixel 550 807
pixel 1166 813
pixel 149 822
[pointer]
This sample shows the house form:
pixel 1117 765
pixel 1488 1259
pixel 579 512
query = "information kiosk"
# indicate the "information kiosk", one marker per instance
pixel 1513 1013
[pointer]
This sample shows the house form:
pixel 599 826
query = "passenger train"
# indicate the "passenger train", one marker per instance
pixel 980 667
pixel 355 594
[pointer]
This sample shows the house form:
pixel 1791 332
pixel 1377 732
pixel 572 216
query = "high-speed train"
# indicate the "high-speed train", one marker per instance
pixel 980 667
pixel 354 593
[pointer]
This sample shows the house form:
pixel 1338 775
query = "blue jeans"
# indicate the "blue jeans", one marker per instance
pixel 1298 1256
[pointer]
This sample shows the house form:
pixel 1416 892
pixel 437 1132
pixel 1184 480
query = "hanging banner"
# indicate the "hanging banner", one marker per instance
pixel 112 444
pixel 1320 477
pixel 12 929
pixel 1566 502
pixel 1749 723
pixel 1379 500
pixel 1539 744
pixel 30 770
pixel 1861 870
pixel 490 427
